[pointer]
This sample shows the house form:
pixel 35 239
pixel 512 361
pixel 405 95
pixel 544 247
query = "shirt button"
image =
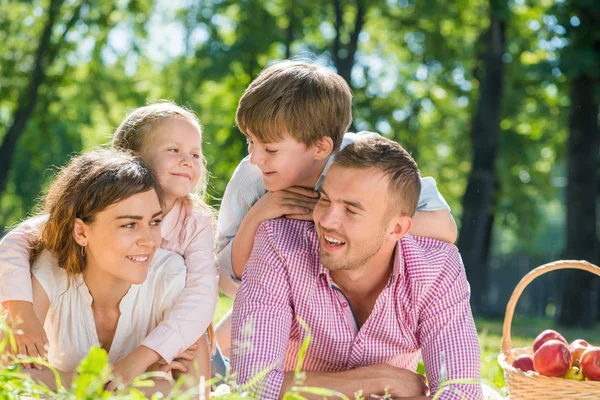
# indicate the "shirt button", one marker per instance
pixel 344 304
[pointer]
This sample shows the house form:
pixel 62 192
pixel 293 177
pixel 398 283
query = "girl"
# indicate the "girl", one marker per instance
pixel 97 277
pixel 168 138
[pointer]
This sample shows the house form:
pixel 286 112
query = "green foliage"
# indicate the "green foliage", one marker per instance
pixel 415 79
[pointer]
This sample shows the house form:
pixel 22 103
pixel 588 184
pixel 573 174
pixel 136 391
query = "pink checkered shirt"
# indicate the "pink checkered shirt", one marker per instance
pixel 424 309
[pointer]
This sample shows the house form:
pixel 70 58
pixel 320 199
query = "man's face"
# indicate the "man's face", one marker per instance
pixel 350 217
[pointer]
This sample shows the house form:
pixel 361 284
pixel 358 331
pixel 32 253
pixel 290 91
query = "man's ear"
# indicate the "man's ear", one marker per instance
pixel 323 148
pixel 400 227
pixel 80 232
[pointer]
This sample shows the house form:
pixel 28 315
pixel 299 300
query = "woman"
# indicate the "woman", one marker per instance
pixel 97 276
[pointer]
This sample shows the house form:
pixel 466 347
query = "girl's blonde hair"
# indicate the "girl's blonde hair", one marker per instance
pixel 133 134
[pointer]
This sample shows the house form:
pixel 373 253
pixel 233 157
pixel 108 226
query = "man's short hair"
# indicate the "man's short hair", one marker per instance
pixel 389 157
pixel 306 101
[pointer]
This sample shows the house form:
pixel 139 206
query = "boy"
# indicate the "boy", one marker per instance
pixel 295 117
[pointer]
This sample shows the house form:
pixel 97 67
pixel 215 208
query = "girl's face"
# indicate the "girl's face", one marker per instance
pixel 123 238
pixel 174 152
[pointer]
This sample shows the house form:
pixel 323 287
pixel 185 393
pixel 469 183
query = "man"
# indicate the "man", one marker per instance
pixel 373 297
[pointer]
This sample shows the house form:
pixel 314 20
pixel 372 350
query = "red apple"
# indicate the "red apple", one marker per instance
pixel 524 362
pixel 553 358
pixel 590 363
pixel 543 337
pixel 577 347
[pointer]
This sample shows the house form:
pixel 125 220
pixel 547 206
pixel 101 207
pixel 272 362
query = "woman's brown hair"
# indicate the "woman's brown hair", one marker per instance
pixel 84 187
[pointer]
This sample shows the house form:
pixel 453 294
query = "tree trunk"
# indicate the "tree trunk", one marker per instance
pixel 579 299
pixel 481 187
pixel 343 58
pixel 28 100
pixel 289 31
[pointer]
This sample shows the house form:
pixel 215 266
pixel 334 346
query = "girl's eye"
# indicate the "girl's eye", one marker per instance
pixel 196 156
pixel 156 222
pixel 324 199
pixel 174 150
pixel 270 151
pixel 129 225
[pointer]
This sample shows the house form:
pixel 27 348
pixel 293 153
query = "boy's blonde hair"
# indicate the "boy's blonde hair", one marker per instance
pixel 302 100
pixel 133 133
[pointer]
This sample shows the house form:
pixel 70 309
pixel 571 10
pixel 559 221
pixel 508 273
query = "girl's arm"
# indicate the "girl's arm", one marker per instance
pixel 194 307
pixel 15 281
pixel 16 286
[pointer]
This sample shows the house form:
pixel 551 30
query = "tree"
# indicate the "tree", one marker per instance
pixel 581 60
pixel 479 197
pixel 45 55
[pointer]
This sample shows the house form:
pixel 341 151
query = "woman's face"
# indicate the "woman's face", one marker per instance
pixel 123 238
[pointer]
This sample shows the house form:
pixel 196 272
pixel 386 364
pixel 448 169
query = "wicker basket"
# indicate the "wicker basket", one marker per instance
pixel 531 385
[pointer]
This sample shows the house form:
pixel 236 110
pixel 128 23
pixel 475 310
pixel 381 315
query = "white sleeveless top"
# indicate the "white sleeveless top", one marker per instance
pixel 70 325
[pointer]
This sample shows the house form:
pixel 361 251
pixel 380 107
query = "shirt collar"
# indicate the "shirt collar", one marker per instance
pixel 324 172
pixel 398 266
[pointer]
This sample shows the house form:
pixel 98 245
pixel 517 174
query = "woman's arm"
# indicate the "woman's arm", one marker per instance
pixel 196 368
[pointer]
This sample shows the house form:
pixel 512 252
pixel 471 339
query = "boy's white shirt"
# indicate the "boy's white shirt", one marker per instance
pixel 246 187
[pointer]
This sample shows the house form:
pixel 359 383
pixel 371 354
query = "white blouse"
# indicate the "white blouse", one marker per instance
pixel 70 325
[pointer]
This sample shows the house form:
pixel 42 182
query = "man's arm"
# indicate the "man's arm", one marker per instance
pixel 447 334
pixel 370 380
pixel 262 320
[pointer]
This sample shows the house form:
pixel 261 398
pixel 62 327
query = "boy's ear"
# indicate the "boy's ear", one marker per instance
pixel 80 232
pixel 323 148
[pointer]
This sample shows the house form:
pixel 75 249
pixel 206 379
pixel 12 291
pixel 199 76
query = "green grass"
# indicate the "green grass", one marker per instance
pixel 523 331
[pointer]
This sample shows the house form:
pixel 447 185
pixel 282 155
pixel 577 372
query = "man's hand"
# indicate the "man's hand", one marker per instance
pixel 132 366
pixel 28 331
pixel 401 382
pixel 295 202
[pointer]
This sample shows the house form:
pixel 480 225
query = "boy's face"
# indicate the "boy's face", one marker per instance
pixel 285 163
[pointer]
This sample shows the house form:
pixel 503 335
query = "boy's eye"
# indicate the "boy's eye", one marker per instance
pixel 324 199
pixel 349 211
pixel 156 222
pixel 271 151
pixel 174 150
pixel 129 225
